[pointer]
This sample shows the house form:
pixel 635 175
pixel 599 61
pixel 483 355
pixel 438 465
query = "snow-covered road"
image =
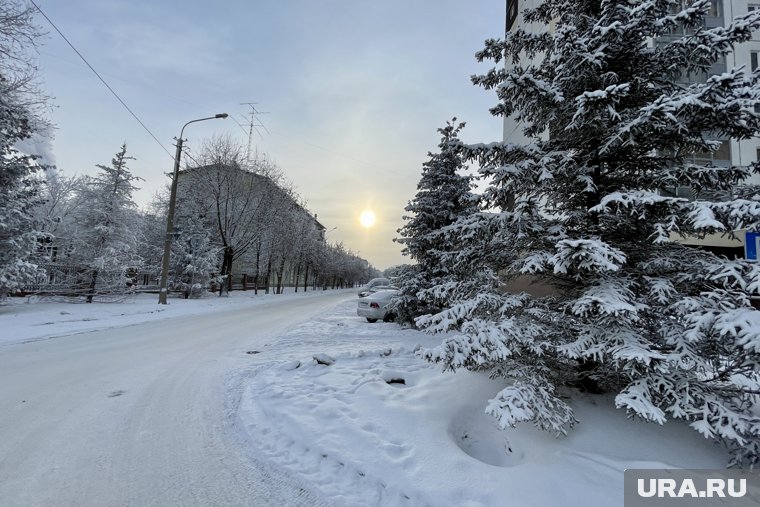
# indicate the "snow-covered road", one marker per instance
pixel 141 415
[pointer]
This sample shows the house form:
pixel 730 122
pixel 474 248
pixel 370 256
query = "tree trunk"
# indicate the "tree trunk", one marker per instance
pixel 586 382
pixel 226 270
pixel 280 273
pixel 306 277
pixel 298 277
pixel 269 273
pixel 92 286
pixel 258 271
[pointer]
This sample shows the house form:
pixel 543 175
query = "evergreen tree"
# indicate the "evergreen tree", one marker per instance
pixel 19 194
pixel 586 205
pixel 443 195
pixel 19 184
pixel 194 258
pixel 108 228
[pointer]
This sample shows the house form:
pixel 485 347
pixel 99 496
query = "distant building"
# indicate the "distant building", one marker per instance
pixel 256 214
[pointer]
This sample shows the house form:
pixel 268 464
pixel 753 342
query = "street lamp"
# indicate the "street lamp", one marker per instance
pixel 170 217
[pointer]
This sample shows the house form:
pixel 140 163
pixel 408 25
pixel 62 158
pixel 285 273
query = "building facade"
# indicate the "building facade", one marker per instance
pixel 731 152
pixel 262 230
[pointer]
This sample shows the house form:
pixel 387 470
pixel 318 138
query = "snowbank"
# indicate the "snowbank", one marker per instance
pixel 381 427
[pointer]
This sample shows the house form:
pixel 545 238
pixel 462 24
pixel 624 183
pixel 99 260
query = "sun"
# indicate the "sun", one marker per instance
pixel 367 218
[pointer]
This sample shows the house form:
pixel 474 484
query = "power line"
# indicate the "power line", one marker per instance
pixel 187 155
pixel 102 80
pixel 251 125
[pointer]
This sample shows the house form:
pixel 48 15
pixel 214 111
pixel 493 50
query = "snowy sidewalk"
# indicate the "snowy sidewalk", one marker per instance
pixel 33 318
pixel 381 427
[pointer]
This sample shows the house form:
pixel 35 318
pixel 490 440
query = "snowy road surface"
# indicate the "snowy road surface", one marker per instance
pixel 141 415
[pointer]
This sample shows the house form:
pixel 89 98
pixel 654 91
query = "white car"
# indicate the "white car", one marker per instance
pixel 376 288
pixel 375 306
pixel 375 282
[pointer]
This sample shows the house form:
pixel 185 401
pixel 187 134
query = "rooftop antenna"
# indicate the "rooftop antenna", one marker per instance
pixel 254 123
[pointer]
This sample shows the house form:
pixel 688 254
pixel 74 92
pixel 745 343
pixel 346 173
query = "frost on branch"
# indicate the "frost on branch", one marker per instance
pixel 613 298
pixel 637 397
pixel 531 399
pixel 584 256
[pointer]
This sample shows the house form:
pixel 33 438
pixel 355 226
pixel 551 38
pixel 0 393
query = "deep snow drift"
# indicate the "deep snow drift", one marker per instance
pixel 380 426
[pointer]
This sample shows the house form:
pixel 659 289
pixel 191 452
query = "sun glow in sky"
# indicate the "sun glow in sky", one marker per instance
pixel 367 218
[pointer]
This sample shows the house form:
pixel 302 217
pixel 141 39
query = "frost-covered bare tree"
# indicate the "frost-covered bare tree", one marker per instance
pixel 62 197
pixel 236 201
pixel 587 209
pixel 339 267
pixel 306 243
pixel 294 234
pixel 19 35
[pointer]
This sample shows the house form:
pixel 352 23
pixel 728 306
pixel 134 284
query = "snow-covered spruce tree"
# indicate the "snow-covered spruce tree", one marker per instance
pixel 586 206
pixel 194 258
pixel 108 229
pixel 443 195
pixel 19 194
pixel 20 102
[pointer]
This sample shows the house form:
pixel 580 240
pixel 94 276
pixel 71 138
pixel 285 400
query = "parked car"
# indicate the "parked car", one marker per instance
pixel 377 288
pixel 375 306
pixel 375 282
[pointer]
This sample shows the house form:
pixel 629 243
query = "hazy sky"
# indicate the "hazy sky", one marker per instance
pixel 354 90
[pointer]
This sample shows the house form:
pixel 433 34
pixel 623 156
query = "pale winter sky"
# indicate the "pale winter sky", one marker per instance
pixel 354 91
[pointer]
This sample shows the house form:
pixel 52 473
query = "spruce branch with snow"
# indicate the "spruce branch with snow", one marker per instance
pixel 613 115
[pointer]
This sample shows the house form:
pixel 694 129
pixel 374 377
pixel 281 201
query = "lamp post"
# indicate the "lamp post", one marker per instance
pixel 170 216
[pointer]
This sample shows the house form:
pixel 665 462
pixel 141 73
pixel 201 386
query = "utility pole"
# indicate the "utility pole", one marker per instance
pixel 253 125
pixel 163 290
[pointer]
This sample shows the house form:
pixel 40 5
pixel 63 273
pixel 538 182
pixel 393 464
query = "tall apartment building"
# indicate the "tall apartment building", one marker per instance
pixel 731 152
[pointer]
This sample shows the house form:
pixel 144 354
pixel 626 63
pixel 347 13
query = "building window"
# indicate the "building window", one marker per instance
pixel 716 9
pixel 511 14
pixel 753 7
pixel 720 157
pixel 753 60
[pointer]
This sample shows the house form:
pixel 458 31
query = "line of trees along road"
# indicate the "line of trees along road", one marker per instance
pixel 85 236
pixel 238 225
